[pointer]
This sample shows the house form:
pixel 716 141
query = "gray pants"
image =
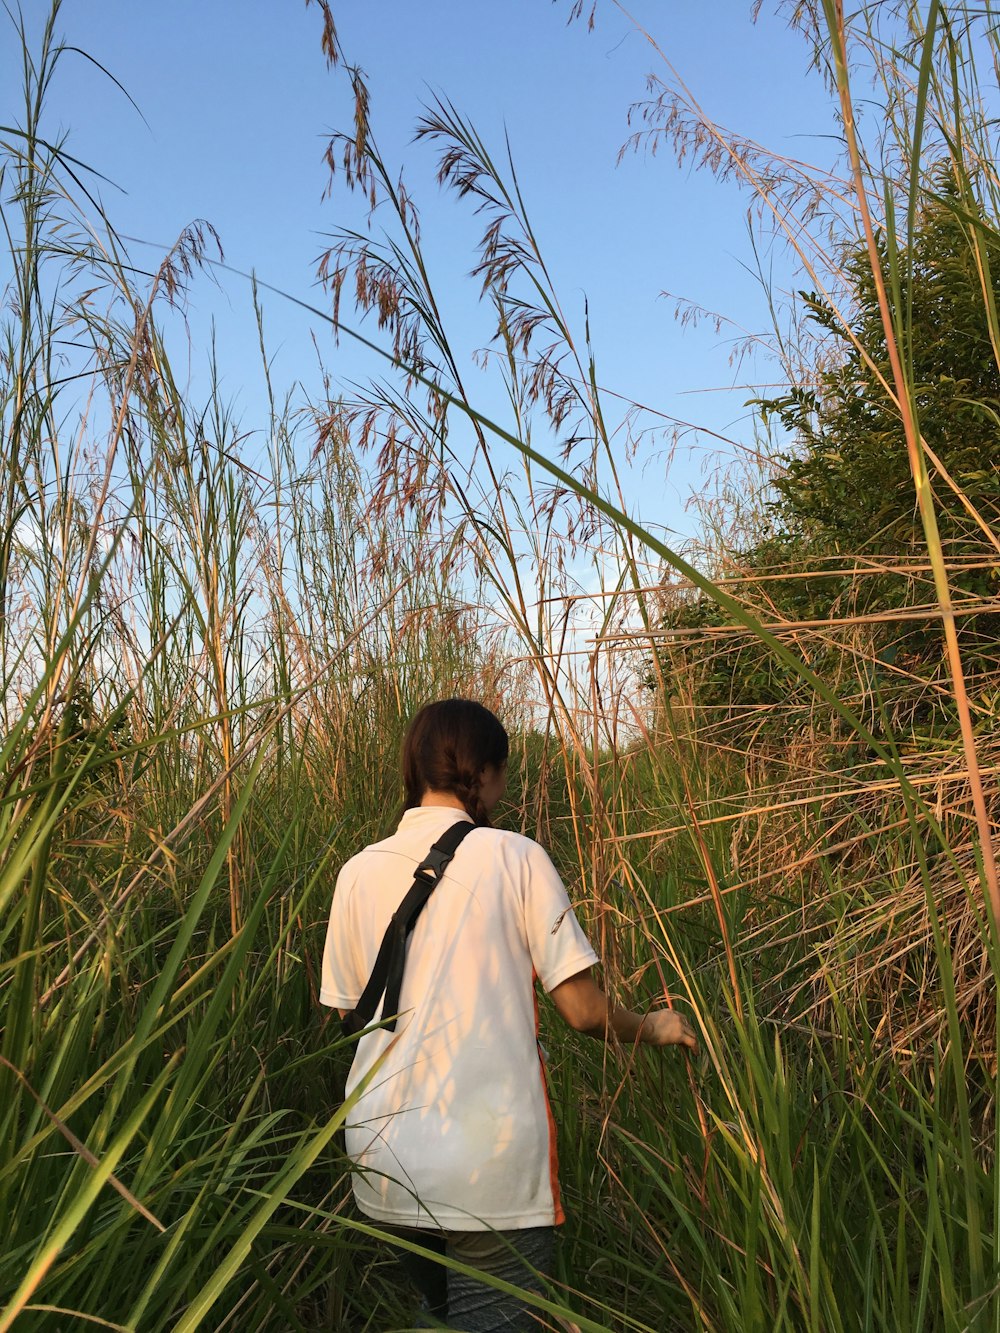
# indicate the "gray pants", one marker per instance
pixel 463 1303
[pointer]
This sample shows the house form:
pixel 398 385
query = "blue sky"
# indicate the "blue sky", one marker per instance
pixel 237 104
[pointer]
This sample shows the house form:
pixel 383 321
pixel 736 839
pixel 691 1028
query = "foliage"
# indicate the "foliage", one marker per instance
pixel 841 517
pixel 848 489
pixel 202 712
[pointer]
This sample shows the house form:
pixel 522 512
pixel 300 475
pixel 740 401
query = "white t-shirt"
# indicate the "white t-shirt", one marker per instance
pixel 455 1129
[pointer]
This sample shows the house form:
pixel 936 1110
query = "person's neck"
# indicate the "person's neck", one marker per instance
pixel 446 800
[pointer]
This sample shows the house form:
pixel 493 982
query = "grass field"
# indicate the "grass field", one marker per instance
pixel 207 669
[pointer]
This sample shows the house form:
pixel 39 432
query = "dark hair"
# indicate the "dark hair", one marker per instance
pixel 446 747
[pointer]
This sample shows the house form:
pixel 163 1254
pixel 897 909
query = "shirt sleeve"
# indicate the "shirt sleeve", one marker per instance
pixel 340 984
pixel 559 949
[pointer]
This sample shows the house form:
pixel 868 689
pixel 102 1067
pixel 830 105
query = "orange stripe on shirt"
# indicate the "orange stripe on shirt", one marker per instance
pixel 557 1209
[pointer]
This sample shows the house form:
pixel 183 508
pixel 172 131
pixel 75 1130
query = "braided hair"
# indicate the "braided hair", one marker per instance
pixel 446 747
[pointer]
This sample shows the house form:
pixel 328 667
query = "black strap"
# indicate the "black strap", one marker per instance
pixel 387 974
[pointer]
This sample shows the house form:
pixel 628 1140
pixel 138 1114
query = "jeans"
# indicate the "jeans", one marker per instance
pixel 465 1303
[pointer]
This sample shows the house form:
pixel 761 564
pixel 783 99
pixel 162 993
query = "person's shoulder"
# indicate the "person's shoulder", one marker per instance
pixel 506 842
pixel 363 858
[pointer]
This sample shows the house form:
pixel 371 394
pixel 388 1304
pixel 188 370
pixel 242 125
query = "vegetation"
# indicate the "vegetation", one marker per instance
pixel 206 668
pixel 842 514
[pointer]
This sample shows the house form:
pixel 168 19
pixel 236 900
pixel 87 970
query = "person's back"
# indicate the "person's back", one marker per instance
pixel 457 1119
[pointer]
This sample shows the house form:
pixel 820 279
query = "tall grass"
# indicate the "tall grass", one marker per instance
pixel 207 661
pixel 197 659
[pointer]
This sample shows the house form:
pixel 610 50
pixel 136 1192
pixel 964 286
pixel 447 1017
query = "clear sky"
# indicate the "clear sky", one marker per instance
pixel 237 103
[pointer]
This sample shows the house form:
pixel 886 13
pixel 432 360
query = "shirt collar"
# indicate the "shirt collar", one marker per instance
pixel 432 816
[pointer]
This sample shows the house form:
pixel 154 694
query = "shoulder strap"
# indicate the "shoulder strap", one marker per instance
pixel 387 974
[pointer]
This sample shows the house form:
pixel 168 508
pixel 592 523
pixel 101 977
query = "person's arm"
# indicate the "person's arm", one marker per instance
pixel 582 1004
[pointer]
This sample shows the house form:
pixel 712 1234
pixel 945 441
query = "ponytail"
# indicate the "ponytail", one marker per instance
pixel 446 748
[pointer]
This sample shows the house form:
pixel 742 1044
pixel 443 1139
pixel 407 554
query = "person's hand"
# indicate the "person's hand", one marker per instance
pixel 667 1027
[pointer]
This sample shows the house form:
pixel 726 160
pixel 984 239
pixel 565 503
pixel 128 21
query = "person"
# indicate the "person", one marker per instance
pixel 452 1139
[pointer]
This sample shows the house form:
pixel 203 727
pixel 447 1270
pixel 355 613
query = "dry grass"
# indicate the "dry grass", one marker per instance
pixel 207 665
